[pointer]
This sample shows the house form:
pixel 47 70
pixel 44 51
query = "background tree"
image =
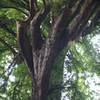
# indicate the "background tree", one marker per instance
pixel 44 29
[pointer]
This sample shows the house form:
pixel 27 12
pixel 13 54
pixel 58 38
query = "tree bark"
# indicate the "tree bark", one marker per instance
pixel 40 90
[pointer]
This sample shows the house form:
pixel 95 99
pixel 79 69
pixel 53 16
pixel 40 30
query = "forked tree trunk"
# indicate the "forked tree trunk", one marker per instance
pixel 43 62
pixel 39 53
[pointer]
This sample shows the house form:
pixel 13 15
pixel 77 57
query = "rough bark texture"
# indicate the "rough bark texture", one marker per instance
pixel 40 54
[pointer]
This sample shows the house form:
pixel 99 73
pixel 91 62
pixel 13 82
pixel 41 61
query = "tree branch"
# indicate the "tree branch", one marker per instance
pixel 24 44
pixel 32 9
pixel 90 26
pixel 82 19
pixel 61 22
pixel 35 26
pixel 9 71
pixel 41 15
pixel 64 19
pixel 12 64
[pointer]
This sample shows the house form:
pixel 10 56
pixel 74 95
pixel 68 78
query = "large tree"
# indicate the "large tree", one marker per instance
pixel 46 28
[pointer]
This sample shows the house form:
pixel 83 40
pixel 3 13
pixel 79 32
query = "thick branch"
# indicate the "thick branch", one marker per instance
pixel 32 9
pixel 90 26
pixel 61 21
pixel 64 20
pixel 24 43
pixel 41 15
pixel 35 26
pixel 82 19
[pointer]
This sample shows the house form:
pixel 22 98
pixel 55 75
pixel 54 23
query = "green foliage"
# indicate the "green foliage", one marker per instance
pixel 81 65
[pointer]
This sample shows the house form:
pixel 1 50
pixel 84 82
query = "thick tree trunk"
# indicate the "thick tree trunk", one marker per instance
pixel 40 86
pixel 43 63
pixel 40 90
pixel 40 79
pixel 40 54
